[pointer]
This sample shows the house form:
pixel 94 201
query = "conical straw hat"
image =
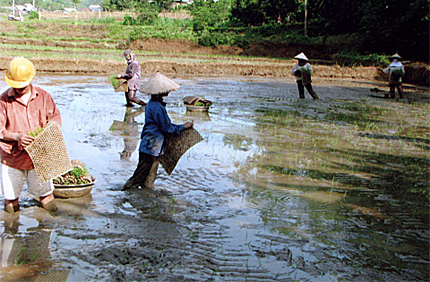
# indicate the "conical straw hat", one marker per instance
pixel 396 56
pixel 158 84
pixel 301 56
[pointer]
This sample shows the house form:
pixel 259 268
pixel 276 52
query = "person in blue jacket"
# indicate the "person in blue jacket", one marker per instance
pixel 157 127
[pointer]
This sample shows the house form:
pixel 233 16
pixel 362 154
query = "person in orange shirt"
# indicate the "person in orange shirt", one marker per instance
pixel 23 108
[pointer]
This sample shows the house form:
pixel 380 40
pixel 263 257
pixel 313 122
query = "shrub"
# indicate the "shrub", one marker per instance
pixel 217 38
pixel 148 14
pixel 34 15
pixel 355 59
pixel 128 20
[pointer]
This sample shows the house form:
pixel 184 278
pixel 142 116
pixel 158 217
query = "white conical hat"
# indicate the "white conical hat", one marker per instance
pixel 396 56
pixel 301 56
pixel 158 84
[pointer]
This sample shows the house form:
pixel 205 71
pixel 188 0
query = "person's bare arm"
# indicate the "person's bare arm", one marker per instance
pixel 188 124
pixel 21 138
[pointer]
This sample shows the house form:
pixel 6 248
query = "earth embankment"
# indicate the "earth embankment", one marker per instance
pixel 67 47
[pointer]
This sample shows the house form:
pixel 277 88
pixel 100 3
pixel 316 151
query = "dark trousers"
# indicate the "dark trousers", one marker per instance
pixel 130 97
pixel 393 89
pixel 145 173
pixel 302 90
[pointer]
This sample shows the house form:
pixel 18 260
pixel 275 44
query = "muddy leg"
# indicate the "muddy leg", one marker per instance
pixel 400 89
pixel 301 89
pixel 311 91
pixel 141 173
pixel 132 98
pixel 150 179
pixel 48 203
pixel 11 206
pixel 127 99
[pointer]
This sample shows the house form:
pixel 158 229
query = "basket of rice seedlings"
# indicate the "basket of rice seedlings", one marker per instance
pixel 196 104
pixel 119 84
pixel 75 183
pixel 398 73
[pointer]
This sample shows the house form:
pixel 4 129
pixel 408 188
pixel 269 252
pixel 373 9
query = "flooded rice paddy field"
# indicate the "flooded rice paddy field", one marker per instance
pixel 280 189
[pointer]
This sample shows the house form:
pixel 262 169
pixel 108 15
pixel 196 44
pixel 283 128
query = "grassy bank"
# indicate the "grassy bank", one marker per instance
pixel 173 38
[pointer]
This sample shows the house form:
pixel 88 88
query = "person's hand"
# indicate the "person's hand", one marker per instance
pixel 188 124
pixel 25 139
pixel 118 76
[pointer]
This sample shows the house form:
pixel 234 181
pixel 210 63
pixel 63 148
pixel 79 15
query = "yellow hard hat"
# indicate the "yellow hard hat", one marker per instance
pixel 20 73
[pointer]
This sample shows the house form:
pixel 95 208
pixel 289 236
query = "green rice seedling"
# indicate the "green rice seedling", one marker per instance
pixel 76 176
pixel 114 81
pixel 36 132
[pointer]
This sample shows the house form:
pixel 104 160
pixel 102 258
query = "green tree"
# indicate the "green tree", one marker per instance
pixel 118 5
pixel 386 26
pixel 76 2
pixel 257 12
pixel 209 14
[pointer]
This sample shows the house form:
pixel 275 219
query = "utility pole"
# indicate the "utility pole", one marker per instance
pixel 306 17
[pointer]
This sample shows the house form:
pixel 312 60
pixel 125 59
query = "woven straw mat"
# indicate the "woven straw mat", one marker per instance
pixel 49 153
pixel 177 146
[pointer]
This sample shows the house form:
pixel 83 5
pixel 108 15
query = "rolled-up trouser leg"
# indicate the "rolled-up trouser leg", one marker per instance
pixel 400 89
pixel 311 91
pixel 132 97
pixel 301 89
pixel 142 171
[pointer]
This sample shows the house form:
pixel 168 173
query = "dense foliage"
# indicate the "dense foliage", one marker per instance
pixel 364 26
pixel 387 26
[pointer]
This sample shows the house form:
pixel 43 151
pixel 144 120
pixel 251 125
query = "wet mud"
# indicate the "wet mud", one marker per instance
pixel 280 189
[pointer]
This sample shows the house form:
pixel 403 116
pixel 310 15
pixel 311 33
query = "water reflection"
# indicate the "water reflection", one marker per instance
pixel 25 252
pixel 282 190
pixel 128 128
pixel 201 115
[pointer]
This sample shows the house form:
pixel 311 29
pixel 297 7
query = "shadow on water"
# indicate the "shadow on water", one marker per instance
pixel 280 189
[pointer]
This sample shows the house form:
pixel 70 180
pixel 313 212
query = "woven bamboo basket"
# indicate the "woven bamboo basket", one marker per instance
pixel 49 153
pixel 122 85
pixel 196 104
pixel 177 146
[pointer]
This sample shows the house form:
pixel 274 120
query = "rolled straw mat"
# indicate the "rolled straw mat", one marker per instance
pixel 177 146
pixel 49 153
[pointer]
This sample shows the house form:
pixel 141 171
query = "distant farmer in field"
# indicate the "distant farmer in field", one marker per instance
pixel 303 72
pixel 24 108
pixel 155 131
pixel 396 71
pixel 132 75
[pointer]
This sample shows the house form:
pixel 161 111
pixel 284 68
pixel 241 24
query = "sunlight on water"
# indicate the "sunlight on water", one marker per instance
pixel 284 188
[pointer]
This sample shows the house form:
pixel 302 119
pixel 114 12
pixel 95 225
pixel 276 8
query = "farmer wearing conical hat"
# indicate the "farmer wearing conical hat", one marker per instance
pixel 132 75
pixel 303 72
pixel 24 108
pixel 157 127
pixel 396 71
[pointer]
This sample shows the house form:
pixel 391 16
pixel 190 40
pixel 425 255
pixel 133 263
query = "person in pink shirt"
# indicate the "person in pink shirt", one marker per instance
pixel 132 75
pixel 24 108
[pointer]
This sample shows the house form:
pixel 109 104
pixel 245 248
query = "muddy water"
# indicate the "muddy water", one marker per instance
pixel 280 189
